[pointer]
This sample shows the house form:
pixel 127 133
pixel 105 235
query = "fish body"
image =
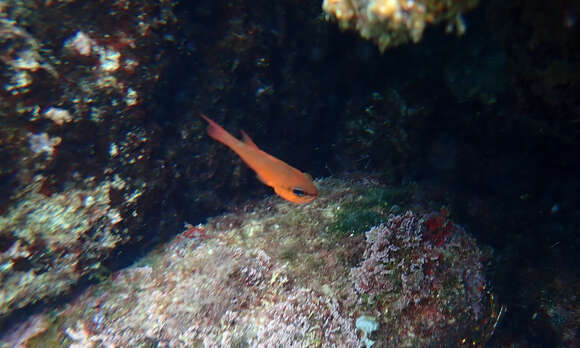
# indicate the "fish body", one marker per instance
pixel 287 181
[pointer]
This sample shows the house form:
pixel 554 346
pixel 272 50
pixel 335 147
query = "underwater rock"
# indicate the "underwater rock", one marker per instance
pixel 72 156
pixel 273 273
pixel 391 23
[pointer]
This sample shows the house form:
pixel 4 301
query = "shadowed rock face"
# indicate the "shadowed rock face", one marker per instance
pixel 75 166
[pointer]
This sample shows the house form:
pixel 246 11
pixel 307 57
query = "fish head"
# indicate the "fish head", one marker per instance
pixel 300 193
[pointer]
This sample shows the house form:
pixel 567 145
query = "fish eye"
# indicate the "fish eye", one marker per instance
pixel 298 191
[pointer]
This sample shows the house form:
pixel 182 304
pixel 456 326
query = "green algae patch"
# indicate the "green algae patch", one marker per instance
pixel 355 221
pixel 370 208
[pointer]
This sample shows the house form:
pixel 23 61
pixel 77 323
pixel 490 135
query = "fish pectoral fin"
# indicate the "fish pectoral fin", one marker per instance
pixel 248 141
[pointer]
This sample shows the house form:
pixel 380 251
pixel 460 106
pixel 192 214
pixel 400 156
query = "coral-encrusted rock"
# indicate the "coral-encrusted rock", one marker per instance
pixel 430 294
pixel 273 273
pixel 51 242
pixel 75 176
pixel 394 22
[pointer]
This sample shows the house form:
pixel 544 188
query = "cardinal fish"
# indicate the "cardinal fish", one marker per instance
pixel 287 181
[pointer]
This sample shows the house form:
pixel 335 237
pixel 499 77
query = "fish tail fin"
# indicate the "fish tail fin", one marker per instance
pixel 216 131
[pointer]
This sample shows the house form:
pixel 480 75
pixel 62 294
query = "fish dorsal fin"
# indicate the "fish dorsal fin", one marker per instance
pixel 248 141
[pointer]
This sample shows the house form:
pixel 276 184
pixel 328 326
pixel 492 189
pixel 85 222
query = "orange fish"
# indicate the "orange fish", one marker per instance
pixel 287 181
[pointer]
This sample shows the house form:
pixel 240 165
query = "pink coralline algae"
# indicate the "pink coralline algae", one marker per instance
pixel 219 297
pixel 305 316
pixel 422 288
